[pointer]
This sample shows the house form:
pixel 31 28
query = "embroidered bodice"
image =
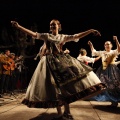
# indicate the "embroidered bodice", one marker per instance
pixel 107 57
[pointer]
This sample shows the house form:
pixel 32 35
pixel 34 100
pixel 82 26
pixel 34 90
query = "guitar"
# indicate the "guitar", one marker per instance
pixel 10 65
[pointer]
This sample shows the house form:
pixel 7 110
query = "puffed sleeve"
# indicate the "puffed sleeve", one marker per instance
pixel 90 60
pixel 42 36
pixel 115 52
pixel 96 53
pixel 68 38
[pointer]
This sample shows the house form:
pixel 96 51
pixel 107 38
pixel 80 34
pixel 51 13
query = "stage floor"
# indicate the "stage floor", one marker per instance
pixel 12 109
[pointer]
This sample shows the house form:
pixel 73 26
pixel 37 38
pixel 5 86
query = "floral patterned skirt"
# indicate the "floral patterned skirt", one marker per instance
pixel 110 77
pixel 60 79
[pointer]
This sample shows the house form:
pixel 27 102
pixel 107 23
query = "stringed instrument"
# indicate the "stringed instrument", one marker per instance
pixel 10 65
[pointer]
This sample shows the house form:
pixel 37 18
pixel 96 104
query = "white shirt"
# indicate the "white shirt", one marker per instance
pixel 58 39
pixel 86 59
pixel 104 54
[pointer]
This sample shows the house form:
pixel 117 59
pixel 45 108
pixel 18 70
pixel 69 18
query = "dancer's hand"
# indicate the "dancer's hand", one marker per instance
pixel 15 24
pixel 90 43
pixel 96 32
pixel 66 51
pixel 115 38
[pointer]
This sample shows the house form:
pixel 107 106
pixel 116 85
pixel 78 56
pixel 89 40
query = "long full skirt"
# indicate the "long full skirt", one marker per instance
pixel 110 77
pixel 60 79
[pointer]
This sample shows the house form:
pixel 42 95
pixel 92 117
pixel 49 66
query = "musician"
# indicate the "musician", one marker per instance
pixel 1 54
pixel 19 71
pixel 5 77
pixel 12 81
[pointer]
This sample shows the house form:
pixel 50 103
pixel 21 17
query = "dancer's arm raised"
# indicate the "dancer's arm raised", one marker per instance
pixel 25 30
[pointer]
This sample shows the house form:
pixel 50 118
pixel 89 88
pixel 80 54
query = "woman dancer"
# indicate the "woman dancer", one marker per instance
pixel 59 79
pixel 108 73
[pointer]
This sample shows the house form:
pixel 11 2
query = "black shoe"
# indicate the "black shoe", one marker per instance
pixel 67 116
pixel 113 105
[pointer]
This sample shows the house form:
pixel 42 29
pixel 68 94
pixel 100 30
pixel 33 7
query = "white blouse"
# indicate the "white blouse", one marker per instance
pixel 104 54
pixel 86 59
pixel 58 39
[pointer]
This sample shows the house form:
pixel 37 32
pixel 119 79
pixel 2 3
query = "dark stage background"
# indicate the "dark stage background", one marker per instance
pixel 75 16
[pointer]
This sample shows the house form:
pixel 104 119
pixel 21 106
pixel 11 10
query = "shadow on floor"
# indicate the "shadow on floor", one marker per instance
pixel 45 116
pixel 107 108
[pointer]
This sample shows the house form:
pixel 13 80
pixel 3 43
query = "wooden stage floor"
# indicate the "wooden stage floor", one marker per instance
pixel 12 109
